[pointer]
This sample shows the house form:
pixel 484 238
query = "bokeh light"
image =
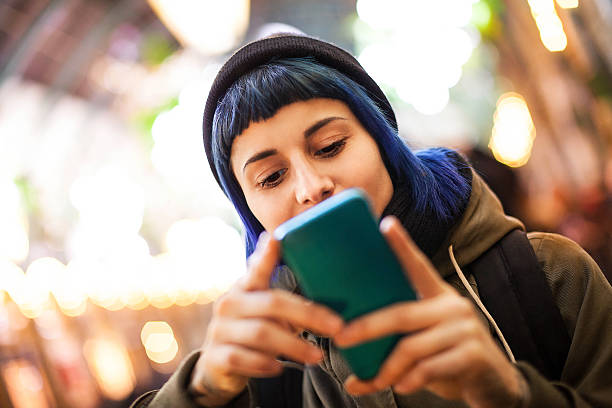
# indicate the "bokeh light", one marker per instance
pixel 210 26
pixel 110 364
pixel 159 342
pixel 418 50
pixel 177 142
pixel 12 280
pixel 568 4
pixel 513 131
pixel 108 202
pixel 14 241
pixel 24 384
pixel 548 22
pixel 70 290
pixel 210 253
pixel 40 278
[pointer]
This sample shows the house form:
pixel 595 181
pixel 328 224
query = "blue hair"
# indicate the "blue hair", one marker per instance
pixel 431 175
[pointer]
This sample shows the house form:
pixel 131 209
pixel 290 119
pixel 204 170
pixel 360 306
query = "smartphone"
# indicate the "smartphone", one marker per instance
pixel 340 259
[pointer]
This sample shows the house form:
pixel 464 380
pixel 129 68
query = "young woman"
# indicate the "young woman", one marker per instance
pixel 290 121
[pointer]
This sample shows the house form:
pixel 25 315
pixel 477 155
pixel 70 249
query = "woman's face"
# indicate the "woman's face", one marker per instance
pixel 307 152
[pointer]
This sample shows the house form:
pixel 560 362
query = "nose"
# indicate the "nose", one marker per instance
pixel 312 186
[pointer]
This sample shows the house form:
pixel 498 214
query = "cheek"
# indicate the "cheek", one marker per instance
pixel 378 184
pixel 270 209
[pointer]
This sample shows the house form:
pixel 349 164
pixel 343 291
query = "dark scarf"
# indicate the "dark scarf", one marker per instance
pixel 427 230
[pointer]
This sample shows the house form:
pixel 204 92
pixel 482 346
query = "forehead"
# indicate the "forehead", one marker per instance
pixel 290 122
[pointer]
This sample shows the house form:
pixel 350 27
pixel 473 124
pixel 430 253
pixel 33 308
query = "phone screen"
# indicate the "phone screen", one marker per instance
pixel 341 260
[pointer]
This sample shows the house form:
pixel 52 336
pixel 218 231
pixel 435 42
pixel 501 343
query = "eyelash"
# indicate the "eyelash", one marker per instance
pixel 266 183
pixel 334 147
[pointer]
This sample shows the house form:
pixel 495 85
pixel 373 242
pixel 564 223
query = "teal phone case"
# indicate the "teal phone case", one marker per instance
pixel 341 260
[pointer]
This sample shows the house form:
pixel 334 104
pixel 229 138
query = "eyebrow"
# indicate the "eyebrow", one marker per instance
pixel 307 133
pixel 259 156
pixel 319 124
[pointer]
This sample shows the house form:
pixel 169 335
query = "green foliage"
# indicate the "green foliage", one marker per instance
pixel 155 48
pixel 144 121
pixel 481 15
pixel 28 194
pixel 486 17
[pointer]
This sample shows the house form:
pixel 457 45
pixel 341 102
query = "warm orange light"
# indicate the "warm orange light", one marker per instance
pixel 185 297
pixel 567 4
pixel 32 295
pixel 24 384
pixel 74 310
pixel 166 355
pixel 69 293
pixel 513 132
pixel 551 29
pixel 136 300
pixel 110 363
pixel 159 341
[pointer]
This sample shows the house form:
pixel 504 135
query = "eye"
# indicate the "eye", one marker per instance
pixel 273 179
pixel 332 149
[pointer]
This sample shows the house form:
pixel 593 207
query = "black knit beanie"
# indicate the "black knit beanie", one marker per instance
pixel 292 45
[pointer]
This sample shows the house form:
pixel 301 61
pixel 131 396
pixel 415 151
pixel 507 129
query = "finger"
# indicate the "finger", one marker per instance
pixel 235 360
pixel 417 267
pixel 403 318
pixel 419 346
pixel 410 350
pixel 452 364
pixel 355 386
pixel 261 263
pixel 267 337
pixel 282 306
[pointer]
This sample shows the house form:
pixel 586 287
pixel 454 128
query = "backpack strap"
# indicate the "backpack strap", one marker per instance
pixel 284 391
pixel 514 290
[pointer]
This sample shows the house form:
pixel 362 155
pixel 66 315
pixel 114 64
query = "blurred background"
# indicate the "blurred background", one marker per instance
pixel 114 237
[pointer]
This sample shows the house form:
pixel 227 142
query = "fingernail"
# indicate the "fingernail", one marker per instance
pixel 262 240
pixel 386 223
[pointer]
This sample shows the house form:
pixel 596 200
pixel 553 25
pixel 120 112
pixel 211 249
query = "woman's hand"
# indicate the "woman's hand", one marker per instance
pixel 448 351
pixel 251 326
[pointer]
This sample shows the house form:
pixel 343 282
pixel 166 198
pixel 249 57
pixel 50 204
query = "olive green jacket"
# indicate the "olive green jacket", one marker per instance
pixel 580 290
